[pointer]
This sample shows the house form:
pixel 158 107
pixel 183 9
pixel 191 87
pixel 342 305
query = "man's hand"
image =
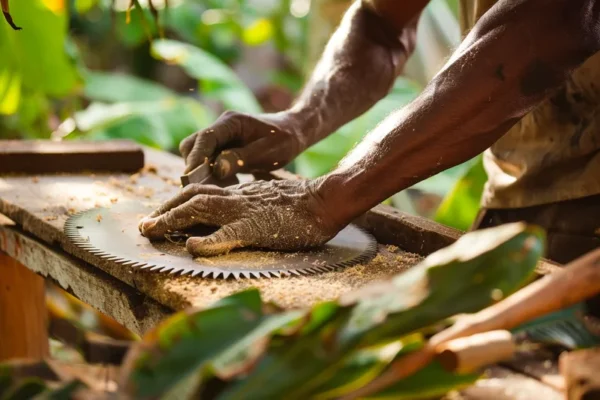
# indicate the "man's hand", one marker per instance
pixel 243 143
pixel 277 215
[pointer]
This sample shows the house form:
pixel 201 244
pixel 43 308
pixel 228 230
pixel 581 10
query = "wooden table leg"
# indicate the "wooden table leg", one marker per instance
pixel 23 315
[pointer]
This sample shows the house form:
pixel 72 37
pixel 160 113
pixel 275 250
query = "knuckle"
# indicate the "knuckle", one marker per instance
pixel 229 114
pixel 191 190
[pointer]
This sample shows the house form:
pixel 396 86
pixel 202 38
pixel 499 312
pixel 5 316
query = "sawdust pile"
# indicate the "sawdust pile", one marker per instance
pixel 296 292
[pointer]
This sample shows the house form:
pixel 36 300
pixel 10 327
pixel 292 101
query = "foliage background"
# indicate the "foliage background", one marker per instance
pixel 95 69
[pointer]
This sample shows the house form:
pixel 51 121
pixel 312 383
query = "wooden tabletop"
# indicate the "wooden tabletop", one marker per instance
pixel 40 205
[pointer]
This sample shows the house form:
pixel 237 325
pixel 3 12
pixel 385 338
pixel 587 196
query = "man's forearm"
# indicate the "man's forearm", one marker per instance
pixel 358 68
pixel 516 55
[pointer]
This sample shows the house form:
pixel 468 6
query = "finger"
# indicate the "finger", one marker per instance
pixel 257 155
pixel 201 209
pixel 186 194
pixel 224 132
pixel 236 235
pixel 183 197
pixel 186 145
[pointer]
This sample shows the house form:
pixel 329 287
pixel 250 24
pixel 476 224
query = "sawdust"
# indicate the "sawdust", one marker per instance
pixel 294 292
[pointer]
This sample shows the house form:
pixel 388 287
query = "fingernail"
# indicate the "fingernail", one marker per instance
pixel 223 168
pixel 148 224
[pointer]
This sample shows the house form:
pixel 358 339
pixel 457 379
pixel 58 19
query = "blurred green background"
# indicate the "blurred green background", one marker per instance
pixel 99 69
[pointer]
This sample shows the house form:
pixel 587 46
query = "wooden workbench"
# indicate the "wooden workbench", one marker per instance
pixel 31 235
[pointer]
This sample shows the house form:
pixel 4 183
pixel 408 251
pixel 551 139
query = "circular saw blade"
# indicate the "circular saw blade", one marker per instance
pixel 112 234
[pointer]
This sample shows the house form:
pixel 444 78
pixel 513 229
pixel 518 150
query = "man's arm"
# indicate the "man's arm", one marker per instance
pixel 357 69
pixel 517 54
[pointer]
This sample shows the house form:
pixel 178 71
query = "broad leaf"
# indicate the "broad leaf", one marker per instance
pixel 219 81
pixel 119 88
pixel 38 51
pixel 564 327
pixel 431 382
pixel 327 353
pixel 460 207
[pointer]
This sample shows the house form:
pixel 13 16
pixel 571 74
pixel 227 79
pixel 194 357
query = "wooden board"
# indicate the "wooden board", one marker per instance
pixel 134 310
pixel 46 156
pixel 23 316
pixel 40 205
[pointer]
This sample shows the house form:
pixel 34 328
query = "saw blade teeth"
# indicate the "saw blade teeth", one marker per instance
pixel 155 268
pixel 236 275
pixel 226 274
pixel 276 274
pixel 196 273
pixel 174 271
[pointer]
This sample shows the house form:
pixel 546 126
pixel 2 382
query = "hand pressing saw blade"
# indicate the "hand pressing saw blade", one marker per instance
pixel 112 234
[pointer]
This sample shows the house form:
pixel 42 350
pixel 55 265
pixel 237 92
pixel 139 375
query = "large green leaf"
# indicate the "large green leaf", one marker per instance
pixel 218 80
pixel 431 382
pixel 462 278
pixel 468 275
pixel 564 327
pixel 38 51
pixel 139 110
pixel 325 354
pixel 118 88
pixel 226 337
pixel 460 207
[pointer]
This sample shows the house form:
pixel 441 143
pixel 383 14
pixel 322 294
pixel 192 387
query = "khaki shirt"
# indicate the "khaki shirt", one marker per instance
pixel 553 153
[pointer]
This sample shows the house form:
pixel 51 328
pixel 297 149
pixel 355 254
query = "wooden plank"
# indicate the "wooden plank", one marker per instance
pixel 41 206
pixel 46 156
pixel 108 295
pixel 415 234
pixel 23 317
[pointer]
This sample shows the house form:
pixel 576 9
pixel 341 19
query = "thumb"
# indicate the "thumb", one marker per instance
pixel 259 154
pixel 229 237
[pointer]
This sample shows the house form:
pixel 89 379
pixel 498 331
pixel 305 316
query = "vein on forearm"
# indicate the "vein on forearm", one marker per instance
pixel 357 69
pixel 518 53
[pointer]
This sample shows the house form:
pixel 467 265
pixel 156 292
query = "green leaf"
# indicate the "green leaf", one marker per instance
pixel 10 91
pixel 460 207
pixel 431 382
pixel 183 344
pixel 39 49
pixel 363 366
pixel 465 277
pixel 118 88
pixel 328 350
pixel 25 389
pixel 564 327
pixel 227 338
pixel 83 6
pixel 259 32
pixel 142 111
pixel 205 67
